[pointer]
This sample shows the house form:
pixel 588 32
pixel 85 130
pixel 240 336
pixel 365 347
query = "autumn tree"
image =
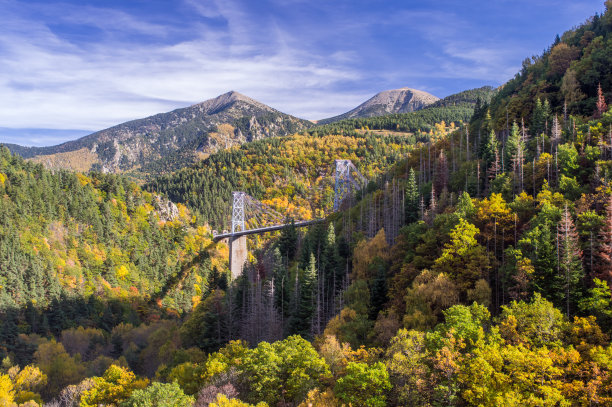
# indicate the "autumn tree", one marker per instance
pixel 603 265
pixel 463 258
pixel 601 105
pixel 114 387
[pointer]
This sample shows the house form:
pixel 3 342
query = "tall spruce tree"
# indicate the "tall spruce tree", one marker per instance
pixel 491 149
pixel 411 208
pixel 300 322
pixel 571 272
pixel 513 146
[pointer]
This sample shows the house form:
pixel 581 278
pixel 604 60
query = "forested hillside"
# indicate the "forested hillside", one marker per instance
pixel 567 75
pixel 70 237
pixel 475 269
pixel 293 174
pixel 452 109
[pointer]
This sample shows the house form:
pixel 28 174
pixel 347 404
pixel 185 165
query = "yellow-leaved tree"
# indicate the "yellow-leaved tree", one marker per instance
pixel 115 386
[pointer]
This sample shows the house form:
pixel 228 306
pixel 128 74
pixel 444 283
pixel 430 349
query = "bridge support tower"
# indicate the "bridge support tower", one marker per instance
pixel 237 255
pixel 237 244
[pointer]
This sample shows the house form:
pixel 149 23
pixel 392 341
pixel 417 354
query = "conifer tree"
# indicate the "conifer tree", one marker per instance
pixel 539 119
pixel 601 105
pixel 288 240
pixel 491 150
pixel 494 169
pixel 514 145
pixel 441 178
pixel 411 206
pixel 302 316
pixel 555 134
pixel 571 272
pixel 603 265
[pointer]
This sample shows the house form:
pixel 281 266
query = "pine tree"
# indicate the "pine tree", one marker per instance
pixel 494 169
pixel 540 117
pixel 491 150
pixel 441 178
pixel 301 319
pixel 603 265
pixel 555 134
pixel 571 272
pixel 545 261
pixel 288 240
pixel 411 205
pixel 378 291
pixel 281 285
pixel 512 145
pixel 601 106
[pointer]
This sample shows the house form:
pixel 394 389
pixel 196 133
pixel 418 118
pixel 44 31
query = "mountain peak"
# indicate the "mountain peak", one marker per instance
pixel 225 100
pixel 402 100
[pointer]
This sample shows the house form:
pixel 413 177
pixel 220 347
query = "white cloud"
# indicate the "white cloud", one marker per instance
pixel 48 81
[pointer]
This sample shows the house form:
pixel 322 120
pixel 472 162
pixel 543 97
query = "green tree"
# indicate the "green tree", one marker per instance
pixel 540 117
pixel 513 146
pixel 537 323
pixel 159 395
pixel 283 371
pixel 304 300
pixel 411 208
pixel 567 156
pixel 490 152
pixel 364 385
pixel 287 243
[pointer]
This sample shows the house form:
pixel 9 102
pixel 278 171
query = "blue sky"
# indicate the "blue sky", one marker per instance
pixel 72 67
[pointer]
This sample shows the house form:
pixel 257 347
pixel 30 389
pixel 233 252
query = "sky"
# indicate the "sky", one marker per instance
pixel 68 68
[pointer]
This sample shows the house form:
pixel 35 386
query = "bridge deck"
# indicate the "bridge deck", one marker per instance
pixel 300 224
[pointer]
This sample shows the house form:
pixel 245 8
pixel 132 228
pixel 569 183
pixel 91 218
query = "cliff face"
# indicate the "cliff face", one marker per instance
pixel 171 140
pixel 403 100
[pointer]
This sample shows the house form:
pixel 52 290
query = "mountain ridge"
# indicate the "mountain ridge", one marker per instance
pixel 180 136
pixel 401 100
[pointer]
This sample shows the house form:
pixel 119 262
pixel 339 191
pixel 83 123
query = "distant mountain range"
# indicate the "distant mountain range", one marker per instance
pixel 403 100
pixel 168 141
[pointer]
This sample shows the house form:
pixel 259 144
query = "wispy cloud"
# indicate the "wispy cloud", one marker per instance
pixel 67 65
pixel 49 81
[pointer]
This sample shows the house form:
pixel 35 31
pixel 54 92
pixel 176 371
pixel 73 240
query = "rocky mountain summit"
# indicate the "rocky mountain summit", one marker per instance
pixel 403 100
pixel 168 141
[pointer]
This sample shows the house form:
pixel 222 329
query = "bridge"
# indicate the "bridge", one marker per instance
pixel 250 216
